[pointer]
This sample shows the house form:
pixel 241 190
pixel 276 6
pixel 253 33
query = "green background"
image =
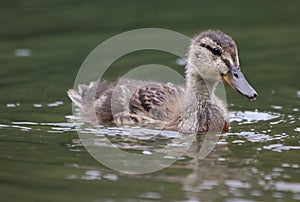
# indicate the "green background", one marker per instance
pixel 44 163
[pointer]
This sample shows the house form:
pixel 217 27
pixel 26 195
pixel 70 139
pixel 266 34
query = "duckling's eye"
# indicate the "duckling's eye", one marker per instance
pixel 216 51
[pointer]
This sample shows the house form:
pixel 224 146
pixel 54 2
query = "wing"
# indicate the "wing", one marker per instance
pixel 149 100
pixel 153 100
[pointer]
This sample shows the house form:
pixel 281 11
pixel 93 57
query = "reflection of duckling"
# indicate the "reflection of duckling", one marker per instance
pixel 212 57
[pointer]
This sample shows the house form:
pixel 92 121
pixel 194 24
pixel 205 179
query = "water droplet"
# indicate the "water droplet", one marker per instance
pixel 55 104
pixel 181 62
pixel 22 52
pixel 277 195
pixel 147 152
pixel 287 186
pixel 237 184
pixel 237 141
pixel 10 105
pixel 37 105
pixel 249 117
pixel 221 159
pixel 24 123
pixel 112 177
pixel 276 107
pixel 91 175
pixel 151 195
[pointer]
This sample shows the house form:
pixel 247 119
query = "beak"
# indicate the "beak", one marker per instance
pixel 237 81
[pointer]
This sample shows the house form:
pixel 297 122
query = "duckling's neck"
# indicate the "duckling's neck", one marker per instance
pixel 201 86
pixel 198 99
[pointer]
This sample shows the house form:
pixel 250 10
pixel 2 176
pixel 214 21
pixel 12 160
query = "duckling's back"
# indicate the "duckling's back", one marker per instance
pixel 128 102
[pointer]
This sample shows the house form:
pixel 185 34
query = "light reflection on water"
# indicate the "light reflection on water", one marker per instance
pixel 134 134
pixel 249 117
pixel 139 138
pixel 206 176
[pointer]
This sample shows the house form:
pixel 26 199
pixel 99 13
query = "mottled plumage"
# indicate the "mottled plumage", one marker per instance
pixel 212 57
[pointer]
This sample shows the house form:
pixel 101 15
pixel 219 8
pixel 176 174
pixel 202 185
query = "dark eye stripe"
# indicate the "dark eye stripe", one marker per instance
pixel 226 62
pixel 215 51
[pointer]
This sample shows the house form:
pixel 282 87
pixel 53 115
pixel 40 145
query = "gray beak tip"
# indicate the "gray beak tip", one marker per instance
pixel 253 98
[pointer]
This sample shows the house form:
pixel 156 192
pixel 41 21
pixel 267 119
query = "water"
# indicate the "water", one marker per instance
pixel 42 158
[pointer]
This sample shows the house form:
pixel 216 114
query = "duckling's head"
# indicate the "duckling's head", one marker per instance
pixel 214 56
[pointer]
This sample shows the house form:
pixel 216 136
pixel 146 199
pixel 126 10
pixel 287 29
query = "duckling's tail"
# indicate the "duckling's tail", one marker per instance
pixel 75 97
pixel 83 96
pixel 92 102
pixel 81 102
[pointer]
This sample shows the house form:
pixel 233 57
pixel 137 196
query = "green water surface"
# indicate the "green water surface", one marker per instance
pixel 43 44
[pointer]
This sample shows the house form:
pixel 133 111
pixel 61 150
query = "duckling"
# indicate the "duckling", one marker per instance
pixel 212 57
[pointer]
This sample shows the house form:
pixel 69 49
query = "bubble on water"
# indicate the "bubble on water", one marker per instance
pixel 137 133
pixel 22 128
pixel 277 122
pixel 277 195
pixel 72 118
pixel 55 104
pixel 147 152
pixel 55 127
pixel 273 92
pixel 252 136
pixel 222 142
pixel 37 105
pixel 256 193
pixel 237 141
pixel 169 157
pixel 278 169
pixel 61 127
pixel 70 125
pixel 88 175
pixel 280 147
pixel 18 125
pixel 237 184
pixel 287 186
pixel 268 177
pixel 112 177
pixel 22 52
pixel 298 93
pixel 3 126
pixel 151 195
pixel 221 159
pixel 276 107
pixel 297 129
pixel 297 197
pixel 248 117
pixel 24 123
pixel 285 165
pixel 10 105
pixel 54 131
pixel 92 175
pixel 181 62
pixel 208 184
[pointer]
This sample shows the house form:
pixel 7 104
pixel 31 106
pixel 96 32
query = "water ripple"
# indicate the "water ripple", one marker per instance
pixel 280 147
pixel 249 117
